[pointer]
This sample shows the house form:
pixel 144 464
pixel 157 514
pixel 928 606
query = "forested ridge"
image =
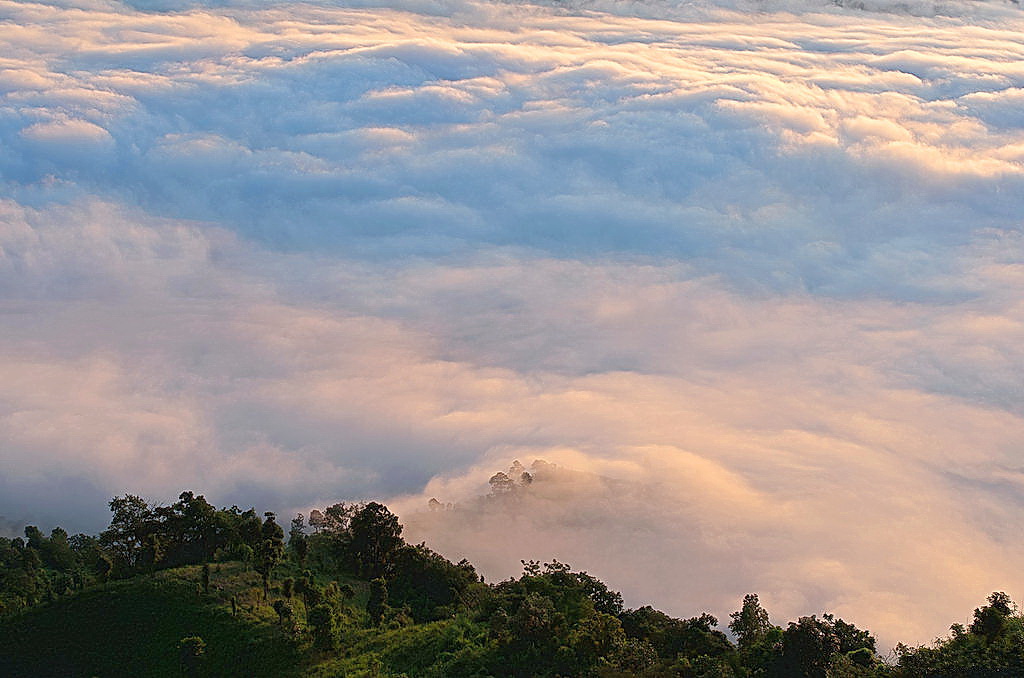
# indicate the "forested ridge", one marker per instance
pixel 189 589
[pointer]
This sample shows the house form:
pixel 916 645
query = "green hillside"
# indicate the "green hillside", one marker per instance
pixel 133 627
pixel 189 590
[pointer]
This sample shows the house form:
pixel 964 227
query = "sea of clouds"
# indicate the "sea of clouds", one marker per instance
pixel 750 272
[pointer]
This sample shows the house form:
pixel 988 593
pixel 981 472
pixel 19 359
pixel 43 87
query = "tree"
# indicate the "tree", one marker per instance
pixel 206 577
pixel 335 519
pixel 271 550
pixel 991 647
pixel 190 531
pixel 428 583
pixel 501 484
pixel 325 627
pixel 375 536
pixel 316 521
pixel 596 637
pixel 297 541
pixel 672 637
pixel 634 656
pixel 605 600
pixel 851 639
pixel 378 601
pixel 535 632
pixel 990 619
pixel 249 528
pixel 284 611
pixel 129 526
pixel 153 551
pixel 270 529
pixel 268 556
pixel 808 645
pixel 750 624
pixel 103 567
pixel 57 552
pixel 306 587
pixel 34 537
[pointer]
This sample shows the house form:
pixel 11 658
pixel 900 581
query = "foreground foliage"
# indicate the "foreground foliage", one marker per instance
pixel 191 590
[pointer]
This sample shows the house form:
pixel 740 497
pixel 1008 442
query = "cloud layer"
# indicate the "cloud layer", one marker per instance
pixel 752 272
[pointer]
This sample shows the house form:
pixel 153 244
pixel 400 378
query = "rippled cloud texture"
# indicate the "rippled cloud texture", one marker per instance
pixel 753 272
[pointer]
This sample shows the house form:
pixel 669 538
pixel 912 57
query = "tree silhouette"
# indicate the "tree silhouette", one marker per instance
pixel 375 535
pixel 378 601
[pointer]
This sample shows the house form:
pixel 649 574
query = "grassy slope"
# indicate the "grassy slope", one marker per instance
pixel 425 650
pixel 132 628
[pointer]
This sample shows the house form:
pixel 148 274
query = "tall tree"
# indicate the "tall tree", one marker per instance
pixel 298 543
pixel 378 600
pixel 130 523
pixel 375 536
pixel 325 627
pixel 750 624
pixel 271 549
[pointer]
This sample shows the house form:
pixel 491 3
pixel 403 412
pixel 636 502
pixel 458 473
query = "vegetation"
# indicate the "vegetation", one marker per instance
pixel 190 590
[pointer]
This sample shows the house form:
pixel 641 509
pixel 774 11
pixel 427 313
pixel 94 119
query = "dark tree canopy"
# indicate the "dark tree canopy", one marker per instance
pixel 375 537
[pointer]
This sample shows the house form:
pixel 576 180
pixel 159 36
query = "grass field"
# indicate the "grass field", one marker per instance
pixel 132 628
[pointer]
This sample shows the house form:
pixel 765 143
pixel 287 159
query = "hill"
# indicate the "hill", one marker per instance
pixel 190 590
pixel 133 628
